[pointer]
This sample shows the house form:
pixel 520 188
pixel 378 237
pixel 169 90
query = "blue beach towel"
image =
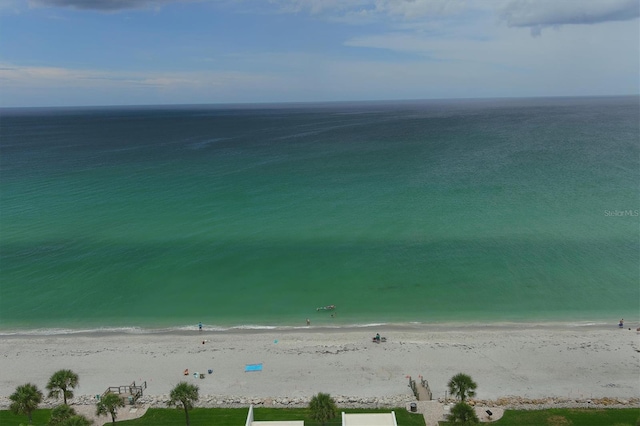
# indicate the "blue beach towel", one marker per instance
pixel 253 367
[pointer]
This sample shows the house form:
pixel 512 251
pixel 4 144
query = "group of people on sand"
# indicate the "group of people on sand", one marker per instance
pixel 378 339
pixel 621 325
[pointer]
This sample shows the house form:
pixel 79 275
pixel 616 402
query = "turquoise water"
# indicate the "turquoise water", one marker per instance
pixel 496 210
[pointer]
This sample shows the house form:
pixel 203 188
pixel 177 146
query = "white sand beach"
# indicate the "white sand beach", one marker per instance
pixel 530 361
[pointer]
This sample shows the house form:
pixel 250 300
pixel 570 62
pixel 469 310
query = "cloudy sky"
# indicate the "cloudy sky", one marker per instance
pixel 124 52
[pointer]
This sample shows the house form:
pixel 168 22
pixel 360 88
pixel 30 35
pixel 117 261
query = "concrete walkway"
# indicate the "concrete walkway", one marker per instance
pixel 434 412
pixel 124 413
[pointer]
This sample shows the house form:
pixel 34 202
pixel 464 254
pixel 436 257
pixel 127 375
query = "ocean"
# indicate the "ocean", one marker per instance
pixel 472 211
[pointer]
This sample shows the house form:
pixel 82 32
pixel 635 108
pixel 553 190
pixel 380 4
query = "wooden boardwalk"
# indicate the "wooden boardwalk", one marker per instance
pixel 129 394
pixel 424 394
pixel 420 389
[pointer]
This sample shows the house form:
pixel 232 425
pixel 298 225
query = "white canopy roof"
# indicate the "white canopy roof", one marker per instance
pixel 369 419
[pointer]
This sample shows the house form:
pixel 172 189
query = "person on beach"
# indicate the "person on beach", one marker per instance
pixel 378 337
pixel 308 321
pixel 200 326
pixel 621 323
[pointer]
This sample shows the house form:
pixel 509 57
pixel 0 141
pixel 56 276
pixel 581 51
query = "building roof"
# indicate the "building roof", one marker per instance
pixel 251 422
pixel 369 419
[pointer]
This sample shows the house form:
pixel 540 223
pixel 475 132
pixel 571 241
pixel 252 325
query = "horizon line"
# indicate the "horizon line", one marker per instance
pixel 241 105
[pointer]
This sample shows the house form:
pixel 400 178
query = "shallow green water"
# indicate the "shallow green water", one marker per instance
pixel 511 210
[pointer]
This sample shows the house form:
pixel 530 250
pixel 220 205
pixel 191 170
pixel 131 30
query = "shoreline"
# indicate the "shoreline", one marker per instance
pixel 531 362
pixel 346 328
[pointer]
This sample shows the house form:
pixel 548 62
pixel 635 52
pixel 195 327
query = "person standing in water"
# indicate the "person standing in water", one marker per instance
pixel 200 326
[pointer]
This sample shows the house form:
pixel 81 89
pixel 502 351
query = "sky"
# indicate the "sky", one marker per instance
pixel 147 52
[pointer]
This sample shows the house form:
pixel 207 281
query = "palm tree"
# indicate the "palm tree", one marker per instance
pixel 185 394
pixel 25 400
pixel 60 414
pixel 76 420
pixel 62 381
pixel 109 405
pixel 463 413
pixel 462 386
pixel 323 408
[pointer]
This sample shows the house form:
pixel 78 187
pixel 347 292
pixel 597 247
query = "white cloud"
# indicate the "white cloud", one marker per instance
pixel 425 14
pixel 566 61
pixel 364 11
pixel 32 85
pixel 539 14
pixel 318 6
pixel 417 9
pixel 103 5
pixel 534 14
pixel 440 49
pixel 11 7
pixel 37 76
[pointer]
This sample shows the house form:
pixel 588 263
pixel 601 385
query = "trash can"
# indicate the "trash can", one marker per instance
pixel 414 407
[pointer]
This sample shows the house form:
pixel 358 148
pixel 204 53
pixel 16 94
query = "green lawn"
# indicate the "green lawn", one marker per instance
pixel 238 416
pixel 40 418
pixel 216 416
pixel 566 417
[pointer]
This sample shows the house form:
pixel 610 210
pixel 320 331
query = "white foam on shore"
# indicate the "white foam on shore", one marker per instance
pixel 137 330
pixel 177 329
pixel 68 331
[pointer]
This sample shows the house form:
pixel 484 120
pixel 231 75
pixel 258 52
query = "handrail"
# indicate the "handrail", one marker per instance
pixel 134 390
